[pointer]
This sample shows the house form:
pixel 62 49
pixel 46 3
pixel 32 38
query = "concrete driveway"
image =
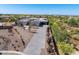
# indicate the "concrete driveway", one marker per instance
pixel 37 42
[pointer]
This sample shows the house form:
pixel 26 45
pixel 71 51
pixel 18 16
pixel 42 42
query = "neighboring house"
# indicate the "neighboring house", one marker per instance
pixel 22 22
pixel 43 20
pixel 40 21
pixel 32 21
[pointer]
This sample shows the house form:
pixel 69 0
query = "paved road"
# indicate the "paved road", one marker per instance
pixel 37 42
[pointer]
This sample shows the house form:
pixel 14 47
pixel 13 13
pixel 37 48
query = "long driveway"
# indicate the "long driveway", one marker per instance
pixel 37 42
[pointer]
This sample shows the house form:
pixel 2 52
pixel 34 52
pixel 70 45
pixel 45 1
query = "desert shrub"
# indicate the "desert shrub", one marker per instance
pixel 73 22
pixel 65 48
pixel 61 35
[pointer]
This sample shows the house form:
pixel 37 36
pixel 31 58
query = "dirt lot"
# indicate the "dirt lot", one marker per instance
pixel 16 40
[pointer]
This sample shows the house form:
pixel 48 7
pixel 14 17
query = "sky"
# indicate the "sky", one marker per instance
pixel 49 9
